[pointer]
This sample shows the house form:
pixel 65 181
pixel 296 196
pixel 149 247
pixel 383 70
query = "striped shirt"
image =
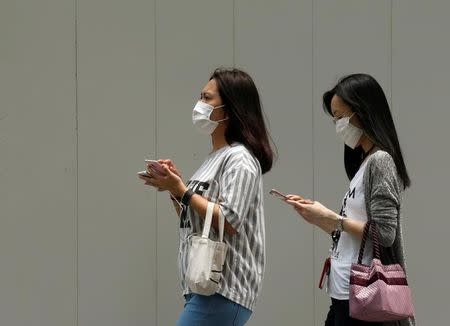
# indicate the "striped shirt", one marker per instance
pixel 231 177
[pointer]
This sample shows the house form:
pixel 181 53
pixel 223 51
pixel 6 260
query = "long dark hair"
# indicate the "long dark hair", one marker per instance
pixel 245 116
pixel 367 100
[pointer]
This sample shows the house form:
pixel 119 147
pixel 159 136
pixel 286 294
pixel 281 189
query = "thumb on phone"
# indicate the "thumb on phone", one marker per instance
pixel 294 197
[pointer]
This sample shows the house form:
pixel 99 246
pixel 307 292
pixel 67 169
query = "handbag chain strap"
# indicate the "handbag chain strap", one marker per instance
pixel 370 225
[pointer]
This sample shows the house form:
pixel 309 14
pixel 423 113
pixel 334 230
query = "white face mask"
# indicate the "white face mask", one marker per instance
pixel 349 133
pixel 200 117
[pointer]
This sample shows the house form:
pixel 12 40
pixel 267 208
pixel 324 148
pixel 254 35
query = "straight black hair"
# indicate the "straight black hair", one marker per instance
pixel 367 100
pixel 245 116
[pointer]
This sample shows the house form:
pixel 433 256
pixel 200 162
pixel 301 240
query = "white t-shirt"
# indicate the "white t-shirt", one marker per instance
pixel 347 250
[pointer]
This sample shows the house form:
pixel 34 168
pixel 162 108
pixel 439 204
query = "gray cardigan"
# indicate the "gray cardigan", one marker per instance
pixel 383 192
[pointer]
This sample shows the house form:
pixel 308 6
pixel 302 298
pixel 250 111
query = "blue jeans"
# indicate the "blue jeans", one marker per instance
pixel 214 310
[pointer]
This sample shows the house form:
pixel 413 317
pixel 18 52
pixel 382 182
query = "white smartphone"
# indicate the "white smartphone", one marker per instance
pixel 143 173
pixel 278 194
pixel 156 167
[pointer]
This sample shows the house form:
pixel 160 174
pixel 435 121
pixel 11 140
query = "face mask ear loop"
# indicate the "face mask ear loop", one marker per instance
pixel 218 121
pixel 351 116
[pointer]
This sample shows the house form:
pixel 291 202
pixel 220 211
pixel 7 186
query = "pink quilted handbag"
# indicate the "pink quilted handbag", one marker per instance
pixel 378 292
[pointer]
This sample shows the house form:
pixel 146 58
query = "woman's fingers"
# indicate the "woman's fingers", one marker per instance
pixel 168 163
pixel 296 204
pixel 167 169
pixel 165 161
pixel 166 181
pixel 291 201
pixel 175 171
pixel 303 207
pixel 299 202
pixel 171 166
pixel 149 180
pixel 294 197
pixel 143 177
pixel 161 182
pixel 300 199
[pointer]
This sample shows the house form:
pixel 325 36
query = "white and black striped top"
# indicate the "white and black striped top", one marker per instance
pixel 231 176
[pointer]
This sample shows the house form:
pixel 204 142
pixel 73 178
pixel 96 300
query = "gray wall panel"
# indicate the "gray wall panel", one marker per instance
pixel 117 229
pixel 38 163
pixel 420 95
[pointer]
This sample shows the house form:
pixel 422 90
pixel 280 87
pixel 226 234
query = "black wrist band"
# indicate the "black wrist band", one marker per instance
pixel 187 197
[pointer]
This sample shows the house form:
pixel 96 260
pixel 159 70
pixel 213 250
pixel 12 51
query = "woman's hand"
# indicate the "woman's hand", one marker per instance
pixel 148 180
pixel 297 198
pixel 314 212
pixel 171 166
pixel 169 182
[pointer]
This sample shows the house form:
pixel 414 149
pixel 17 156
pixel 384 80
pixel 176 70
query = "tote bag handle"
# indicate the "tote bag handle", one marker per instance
pixel 208 221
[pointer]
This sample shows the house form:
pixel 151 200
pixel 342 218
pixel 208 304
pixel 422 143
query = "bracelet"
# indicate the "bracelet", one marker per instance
pixel 186 197
pixel 340 224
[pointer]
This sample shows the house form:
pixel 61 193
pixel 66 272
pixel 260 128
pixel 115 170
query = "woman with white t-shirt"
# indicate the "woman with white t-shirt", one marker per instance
pixel 229 111
pixel 378 177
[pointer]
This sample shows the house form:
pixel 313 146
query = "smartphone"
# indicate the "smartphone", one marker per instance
pixel 156 167
pixel 278 194
pixel 143 173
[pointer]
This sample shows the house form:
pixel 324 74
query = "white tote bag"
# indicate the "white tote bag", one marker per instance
pixel 206 258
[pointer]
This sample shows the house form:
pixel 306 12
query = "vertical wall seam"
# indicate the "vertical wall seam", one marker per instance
pixel 155 67
pixel 234 33
pixel 313 152
pixel 391 52
pixel 77 279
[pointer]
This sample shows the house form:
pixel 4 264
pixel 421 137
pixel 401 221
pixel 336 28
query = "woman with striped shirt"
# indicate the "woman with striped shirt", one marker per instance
pixel 229 110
